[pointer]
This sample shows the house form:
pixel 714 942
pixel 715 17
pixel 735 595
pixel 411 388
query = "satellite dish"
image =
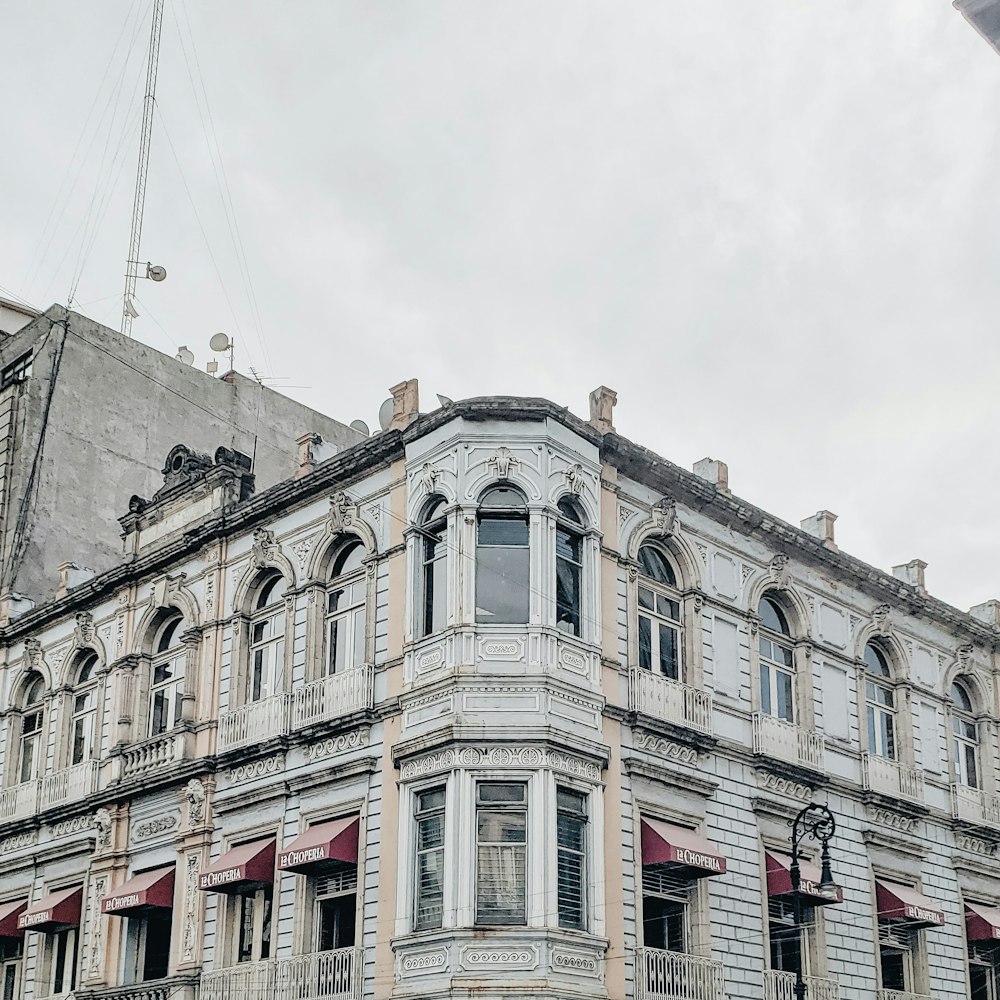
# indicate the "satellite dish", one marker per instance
pixel 361 427
pixel 130 309
pixel 385 414
pixel 219 343
pixel 156 272
pixel 444 400
pixel 184 356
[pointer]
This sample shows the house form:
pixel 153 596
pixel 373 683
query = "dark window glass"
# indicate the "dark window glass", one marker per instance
pixel 434 572
pixel 501 837
pixel 772 617
pixel 663 923
pixel 893 963
pixel 786 947
pixel 502 564
pixel 336 922
pixel 875 662
pixel 655 566
pixel 429 889
pixel 569 569
pixel 157 955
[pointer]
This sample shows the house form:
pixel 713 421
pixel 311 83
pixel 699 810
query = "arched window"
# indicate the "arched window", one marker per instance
pixel 267 638
pixel 32 729
pixel 880 704
pixel 432 614
pixel 777 672
pixel 502 564
pixel 345 610
pixel 965 737
pixel 569 567
pixel 167 689
pixel 84 707
pixel 659 614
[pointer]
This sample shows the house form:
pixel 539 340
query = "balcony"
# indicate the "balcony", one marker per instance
pixel 171 988
pixel 889 777
pixel 899 995
pixel 326 975
pixel 662 698
pixel 784 741
pixel 151 755
pixel 781 986
pixel 18 801
pixel 672 975
pixel 332 697
pixel 68 785
pixel 254 722
pixel 974 806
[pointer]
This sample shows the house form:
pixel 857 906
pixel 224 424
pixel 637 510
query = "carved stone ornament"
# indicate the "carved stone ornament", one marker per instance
pixel 302 548
pixel 664 515
pixel 783 786
pixel 264 546
pixel 880 620
pixel 429 476
pixel 665 749
pixel 892 819
pixel 99 890
pixel 574 478
pixel 191 869
pixel 102 821
pixel 964 653
pixel 778 570
pixel 194 792
pixel 341 512
pixel 502 459
pixel 33 653
pixel 152 827
pixel 85 627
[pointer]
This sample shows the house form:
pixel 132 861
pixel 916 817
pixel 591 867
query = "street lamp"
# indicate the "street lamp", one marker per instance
pixel 817 822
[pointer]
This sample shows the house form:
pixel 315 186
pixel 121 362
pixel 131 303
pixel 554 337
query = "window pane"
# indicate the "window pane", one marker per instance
pixel 359 638
pixel 668 652
pixel 337 652
pixel 500 895
pixel 504 532
pixel 765 689
pixel 502 585
pixel 785 696
pixel 646 598
pixel 568 596
pixel 245 948
pixel 645 643
pixel 668 608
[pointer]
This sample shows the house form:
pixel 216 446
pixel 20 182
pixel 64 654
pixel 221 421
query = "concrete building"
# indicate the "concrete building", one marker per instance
pixel 86 418
pixel 496 703
pixel 984 16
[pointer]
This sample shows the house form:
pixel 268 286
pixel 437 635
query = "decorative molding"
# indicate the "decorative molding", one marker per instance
pixel 975 845
pixel 339 744
pixel 375 513
pixel 302 550
pixel 664 515
pixel 33 653
pixel 265 547
pixel 256 769
pixel 880 620
pixel 783 786
pixel 479 957
pixel 19 840
pixel 500 757
pixel 75 825
pixel 703 552
pixel 574 478
pixel 429 475
pixel 423 961
pixel 574 961
pixel 152 827
pixel 624 513
pixel 191 868
pixel 85 627
pixel 503 459
pixel 778 571
pixel 194 792
pixel 210 596
pixel 342 512
pixel 664 748
pixel 746 571
pixel 99 888
pixel 102 821
pixel 892 819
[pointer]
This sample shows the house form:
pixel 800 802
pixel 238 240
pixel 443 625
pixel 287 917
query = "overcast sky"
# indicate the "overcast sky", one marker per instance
pixel 773 227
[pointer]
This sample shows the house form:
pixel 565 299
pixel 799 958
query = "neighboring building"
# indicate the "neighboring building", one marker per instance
pixel 13 316
pixel 984 16
pixel 498 704
pixel 86 416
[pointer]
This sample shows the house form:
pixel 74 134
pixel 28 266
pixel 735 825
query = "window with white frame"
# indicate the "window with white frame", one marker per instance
pixel 167 689
pixel 11 957
pixel 83 718
pixel 984 970
pixel 345 610
pixel 252 912
pixel 667 895
pixel 428 889
pixel 571 847
pixel 965 737
pixel 501 853
pixel 659 614
pixel 569 567
pixel 502 557
pixel 335 899
pixel 880 706
pixel 58 965
pixel 777 672
pixel 267 639
pixel 32 743
pixel 432 613
pixel 896 944
pixel 147 946
pixel 789 943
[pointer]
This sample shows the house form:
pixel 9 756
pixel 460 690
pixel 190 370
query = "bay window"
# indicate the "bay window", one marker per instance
pixel 428 894
pixel 432 615
pixel 571 841
pixel 501 853
pixel 502 557
pixel 569 567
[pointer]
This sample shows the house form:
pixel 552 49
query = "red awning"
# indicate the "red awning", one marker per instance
pixel 903 902
pixel 779 880
pixel 60 909
pixel 982 923
pixel 247 864
pixel 9 912
pixel 663 842
pixel 142 892
pixel 327 841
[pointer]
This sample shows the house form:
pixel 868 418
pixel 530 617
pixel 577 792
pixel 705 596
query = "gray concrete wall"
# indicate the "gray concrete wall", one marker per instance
pixel 116 409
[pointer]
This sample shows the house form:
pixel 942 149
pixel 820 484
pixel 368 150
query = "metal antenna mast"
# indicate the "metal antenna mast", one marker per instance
pixel 128 308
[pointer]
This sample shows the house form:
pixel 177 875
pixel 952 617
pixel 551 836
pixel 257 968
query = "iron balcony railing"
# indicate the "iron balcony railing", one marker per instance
pixel 781 986
pixel 325 975
pixel 662 698
pixel 673 975
pixel 782 740
pixel 889 777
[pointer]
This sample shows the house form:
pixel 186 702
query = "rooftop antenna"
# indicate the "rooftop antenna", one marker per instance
pixel 154 272
pixel 220 343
